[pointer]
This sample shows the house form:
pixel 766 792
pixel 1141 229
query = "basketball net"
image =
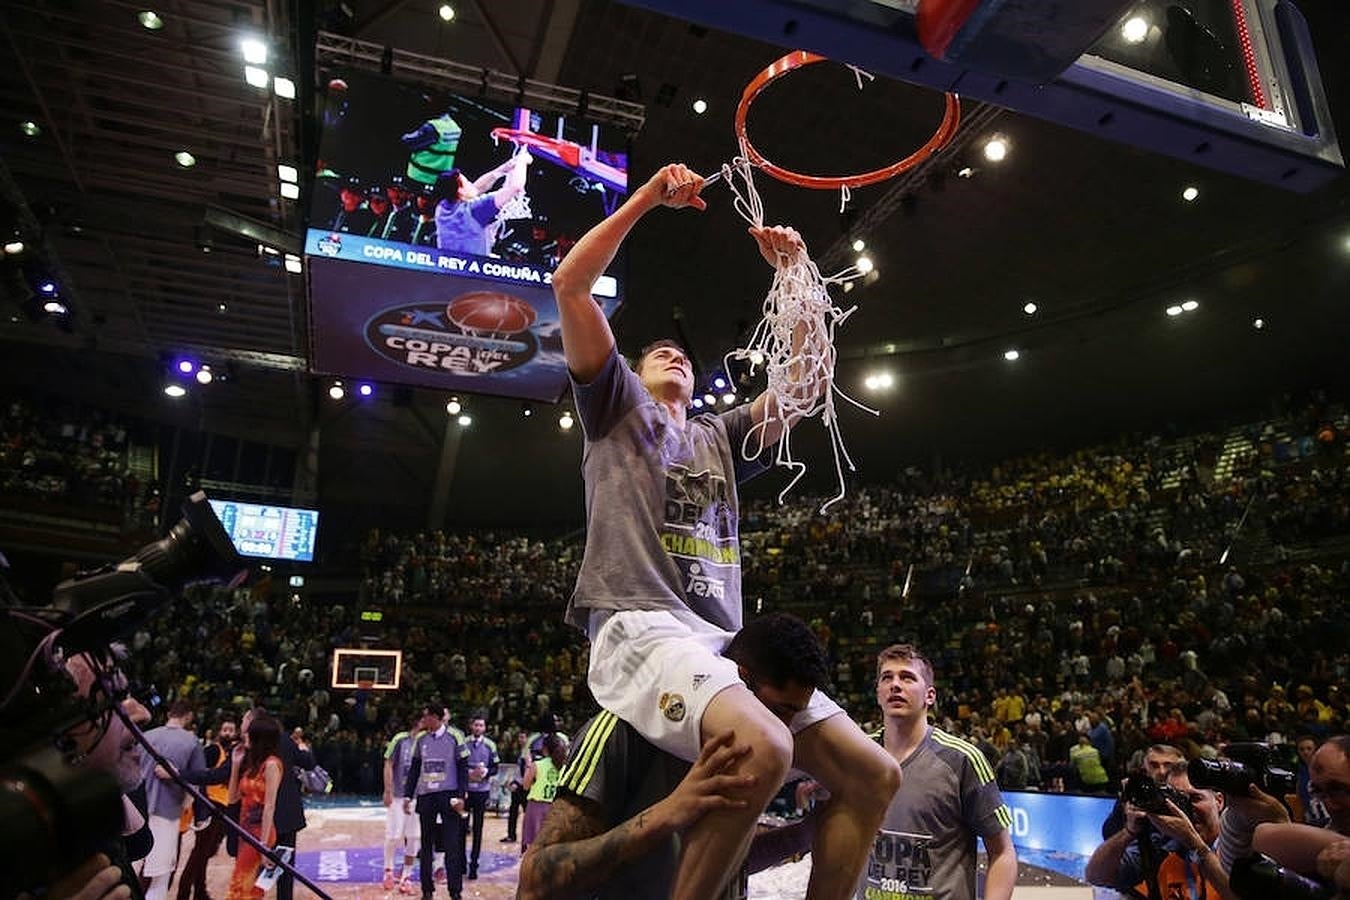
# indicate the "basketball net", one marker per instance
pixel 518 207
pixel 798 309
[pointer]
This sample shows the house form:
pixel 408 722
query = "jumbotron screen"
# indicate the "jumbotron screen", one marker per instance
pixel 436 224
pixel 271 532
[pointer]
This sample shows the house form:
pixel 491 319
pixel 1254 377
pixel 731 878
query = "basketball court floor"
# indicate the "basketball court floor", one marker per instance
pixel 342 851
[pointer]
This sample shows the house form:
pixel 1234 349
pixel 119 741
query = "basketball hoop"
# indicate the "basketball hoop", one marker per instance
pixel 951 120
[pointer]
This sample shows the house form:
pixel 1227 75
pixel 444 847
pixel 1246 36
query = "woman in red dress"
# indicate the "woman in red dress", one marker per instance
pixel 254 778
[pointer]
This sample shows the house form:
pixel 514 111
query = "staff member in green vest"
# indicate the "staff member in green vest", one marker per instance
pixel 433 145
pixel 541 780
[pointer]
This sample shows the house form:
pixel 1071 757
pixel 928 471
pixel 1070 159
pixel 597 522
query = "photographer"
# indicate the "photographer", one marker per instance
pixel 1329 783
pixel 1166 847
pixel 107 746
pixel 1304 849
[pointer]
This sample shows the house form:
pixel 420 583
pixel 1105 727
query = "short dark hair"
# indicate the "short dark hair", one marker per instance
pixel 653 347
pixel 779 649
pixel 435 708
pixel 908 653
pixel 180 709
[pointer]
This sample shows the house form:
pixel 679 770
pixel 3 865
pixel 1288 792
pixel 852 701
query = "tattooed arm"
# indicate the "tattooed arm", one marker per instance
pixel 574 854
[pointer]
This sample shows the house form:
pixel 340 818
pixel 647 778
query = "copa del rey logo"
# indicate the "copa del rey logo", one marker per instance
pixel 330 244
pixel 476 333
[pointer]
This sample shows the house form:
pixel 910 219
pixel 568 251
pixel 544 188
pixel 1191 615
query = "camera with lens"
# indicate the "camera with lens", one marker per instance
pixel 1259 877
pixel 1152 797
pixel 1247 764
pixel 55 813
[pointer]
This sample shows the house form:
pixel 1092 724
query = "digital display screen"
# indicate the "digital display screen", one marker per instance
pixel 436 225
pixel 271 532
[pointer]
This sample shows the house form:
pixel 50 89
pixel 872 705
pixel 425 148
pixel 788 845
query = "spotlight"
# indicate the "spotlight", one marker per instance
pixel 859 245
pixel 1012 355
pixel 1134 30
pixel 465 421
pixel 864 264
pixel 175 391
pixel 565 421
pixel 728 398
pixel 186 366
pixel 710 400
pixel 222 308
pixel 30 128
pixel 337 391
pixel 719 382
pixel 1258 324
pixel 700 106
pixel 996 148
pixel 1173 311
pixel 293 264
pixel 365 389
pixel 527 411
pixel 255 51
pixel 284 87
pixel 698 403
pixel 965 172
pixel 447 12
pixel 256 77
pixel 290 191
pixel 287 173
pixel 1030 308
pixel 55 308
pixel 886 380
pixel 48 288
pixel 1190 306
pixel 14 247
pixel 1190 194
pixel 453 407
pixel 150 20
pixel 185 159
pixel 204 375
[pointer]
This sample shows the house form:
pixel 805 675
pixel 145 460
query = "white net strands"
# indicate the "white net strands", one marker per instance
pixel 794 343
pixel 518 207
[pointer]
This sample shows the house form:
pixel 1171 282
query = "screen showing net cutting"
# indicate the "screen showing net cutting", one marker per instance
pixel 271 532
pixel 436 224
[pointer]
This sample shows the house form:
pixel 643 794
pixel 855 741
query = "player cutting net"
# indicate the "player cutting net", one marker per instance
pixel 659 588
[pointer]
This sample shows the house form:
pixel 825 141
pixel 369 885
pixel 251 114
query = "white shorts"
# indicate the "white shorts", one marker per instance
pixel 659 669
pixel 163 856
pixel 401 826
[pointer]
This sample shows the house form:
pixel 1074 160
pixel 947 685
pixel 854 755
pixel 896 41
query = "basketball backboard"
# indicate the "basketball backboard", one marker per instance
pixel 1232 85
pixel 356 668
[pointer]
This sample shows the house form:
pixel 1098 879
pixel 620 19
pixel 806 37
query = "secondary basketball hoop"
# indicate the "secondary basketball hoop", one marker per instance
pixel 951 121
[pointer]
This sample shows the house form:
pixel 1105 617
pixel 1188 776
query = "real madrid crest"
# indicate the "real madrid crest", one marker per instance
pixel 672 707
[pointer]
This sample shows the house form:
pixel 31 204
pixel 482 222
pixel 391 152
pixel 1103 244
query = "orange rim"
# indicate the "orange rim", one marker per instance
pixel 951 120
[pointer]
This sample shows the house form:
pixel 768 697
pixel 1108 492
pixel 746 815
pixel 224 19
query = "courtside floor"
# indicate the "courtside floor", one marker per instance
pixel 342 850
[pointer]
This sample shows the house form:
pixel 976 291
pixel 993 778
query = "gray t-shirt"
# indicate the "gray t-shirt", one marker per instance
pixel 180 747
pixel 461 227
pixel 926 846
pixel 662 512
pixel 615 767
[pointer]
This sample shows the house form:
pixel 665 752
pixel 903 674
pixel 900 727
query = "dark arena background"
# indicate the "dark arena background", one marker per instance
pixel 1104 330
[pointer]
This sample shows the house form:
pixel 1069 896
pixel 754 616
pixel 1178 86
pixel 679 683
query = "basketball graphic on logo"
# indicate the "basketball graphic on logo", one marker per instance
pixel 490 312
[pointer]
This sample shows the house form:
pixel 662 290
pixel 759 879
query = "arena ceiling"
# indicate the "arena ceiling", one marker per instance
pixel 1096 234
